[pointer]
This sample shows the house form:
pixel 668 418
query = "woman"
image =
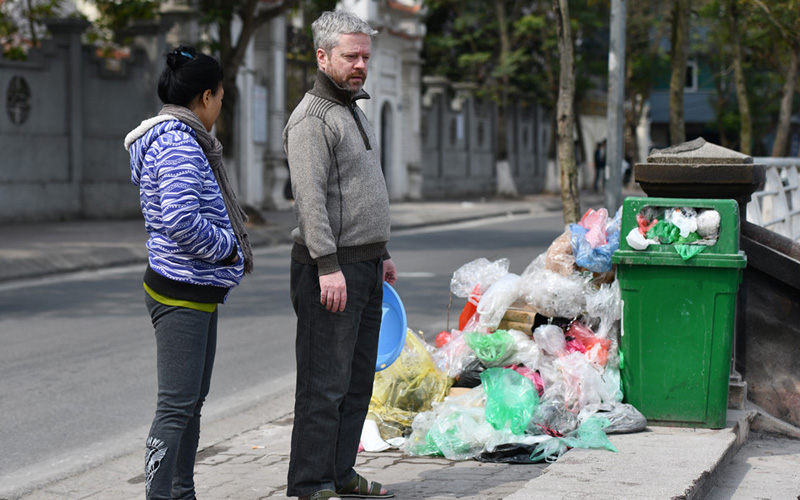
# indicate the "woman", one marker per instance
pixel 198 251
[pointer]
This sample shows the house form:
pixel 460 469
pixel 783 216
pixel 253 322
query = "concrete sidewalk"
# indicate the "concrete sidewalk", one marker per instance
pixel 43 249
pixel 245 456
pixel 251 464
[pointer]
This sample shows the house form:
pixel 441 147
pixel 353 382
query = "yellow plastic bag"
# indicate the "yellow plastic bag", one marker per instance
pixel 409 386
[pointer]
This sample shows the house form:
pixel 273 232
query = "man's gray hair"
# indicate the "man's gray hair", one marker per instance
pixel 327 28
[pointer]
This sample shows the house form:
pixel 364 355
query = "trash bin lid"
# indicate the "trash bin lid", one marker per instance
pixel 393 329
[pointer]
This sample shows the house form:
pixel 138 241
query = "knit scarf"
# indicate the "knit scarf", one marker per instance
pixel 212 148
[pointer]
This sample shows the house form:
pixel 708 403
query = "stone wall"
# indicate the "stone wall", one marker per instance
pixel 66 113
pixel 771 321
pixel 458 151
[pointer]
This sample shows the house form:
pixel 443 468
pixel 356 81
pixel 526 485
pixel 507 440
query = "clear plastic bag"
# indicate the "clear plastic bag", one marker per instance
pixel 605 304
pixel 552 418
pixel 410 385
pixel 550 339
pixel 496 300
pixel 455 428
pixel 551 294
pixel 452 357
pixel 526 351
pixel 510 399
pixel 478 272
pixel 623 418
pixel 583 383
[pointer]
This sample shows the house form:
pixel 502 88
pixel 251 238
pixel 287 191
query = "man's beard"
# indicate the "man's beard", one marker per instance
pixel 344 83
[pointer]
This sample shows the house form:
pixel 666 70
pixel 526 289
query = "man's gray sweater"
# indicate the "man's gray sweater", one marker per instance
pixel 341 202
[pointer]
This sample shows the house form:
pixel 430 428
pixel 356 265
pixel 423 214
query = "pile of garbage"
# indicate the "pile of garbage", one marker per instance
pixel 689 230
pixel 533 368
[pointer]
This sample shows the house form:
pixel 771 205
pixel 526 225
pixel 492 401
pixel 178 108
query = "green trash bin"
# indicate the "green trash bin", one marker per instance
pixel 678 318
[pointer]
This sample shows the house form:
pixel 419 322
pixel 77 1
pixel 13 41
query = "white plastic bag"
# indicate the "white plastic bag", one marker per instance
pixel 550 339
pixel 528 352
pixel 685 218
pixel 708 224
pixel 497 299
pixel 637 241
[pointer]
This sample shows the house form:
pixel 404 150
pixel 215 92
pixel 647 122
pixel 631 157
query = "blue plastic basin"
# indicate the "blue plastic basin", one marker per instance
pixel 393 329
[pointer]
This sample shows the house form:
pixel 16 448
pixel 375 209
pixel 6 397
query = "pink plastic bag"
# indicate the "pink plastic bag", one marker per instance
pixel 595 222
pixel 596 347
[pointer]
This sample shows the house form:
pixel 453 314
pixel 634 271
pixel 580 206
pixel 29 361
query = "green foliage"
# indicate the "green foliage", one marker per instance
pixel 767 28
pixel 463 43
pixel 117 14
pixel 21 25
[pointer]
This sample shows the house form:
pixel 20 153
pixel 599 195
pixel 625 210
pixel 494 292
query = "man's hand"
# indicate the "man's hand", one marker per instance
pixel 333 293
pixel 389 272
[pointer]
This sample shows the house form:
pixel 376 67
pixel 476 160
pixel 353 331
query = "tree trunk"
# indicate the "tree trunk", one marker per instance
pixel 232 53
pixel 502 115
pixel 580 149
pixel 565 115
pixel 719 107
pixel 227 117
pixel 789 86
pixel 633 115
pixel 677 82
pixel 746 122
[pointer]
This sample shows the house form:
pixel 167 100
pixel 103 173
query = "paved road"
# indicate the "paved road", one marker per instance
pixel 77 368
pixel 767 467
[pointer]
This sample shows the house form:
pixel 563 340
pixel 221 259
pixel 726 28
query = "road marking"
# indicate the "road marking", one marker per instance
pixel 416 274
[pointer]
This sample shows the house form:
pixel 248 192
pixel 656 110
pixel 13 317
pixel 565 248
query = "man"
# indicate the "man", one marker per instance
pixel 339 263
pixel 600 164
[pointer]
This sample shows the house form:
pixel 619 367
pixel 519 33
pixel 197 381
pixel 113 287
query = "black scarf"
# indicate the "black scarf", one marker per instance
pixel 212 148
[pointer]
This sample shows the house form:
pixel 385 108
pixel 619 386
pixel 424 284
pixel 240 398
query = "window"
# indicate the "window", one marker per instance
pixel 691 76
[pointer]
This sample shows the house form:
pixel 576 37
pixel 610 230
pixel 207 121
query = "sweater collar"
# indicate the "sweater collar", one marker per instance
pixel 325 88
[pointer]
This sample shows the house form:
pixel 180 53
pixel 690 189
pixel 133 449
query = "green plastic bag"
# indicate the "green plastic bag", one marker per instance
pixel 589 434
pixel 493 349
pixel 510 399
pixel 665 232
pixel 688 251
pixel 682 240
pixel 456 428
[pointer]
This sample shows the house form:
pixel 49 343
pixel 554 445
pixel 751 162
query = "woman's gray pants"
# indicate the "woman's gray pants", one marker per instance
pixel 186 341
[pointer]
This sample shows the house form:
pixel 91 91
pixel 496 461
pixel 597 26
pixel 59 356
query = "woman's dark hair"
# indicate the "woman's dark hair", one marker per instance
pixel 188 74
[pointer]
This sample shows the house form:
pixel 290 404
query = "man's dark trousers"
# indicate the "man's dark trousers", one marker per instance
pixel 336 354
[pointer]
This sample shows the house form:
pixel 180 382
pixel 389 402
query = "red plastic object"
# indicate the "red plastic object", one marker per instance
pixel 442 338
pixel 470 308
pixel 583 334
